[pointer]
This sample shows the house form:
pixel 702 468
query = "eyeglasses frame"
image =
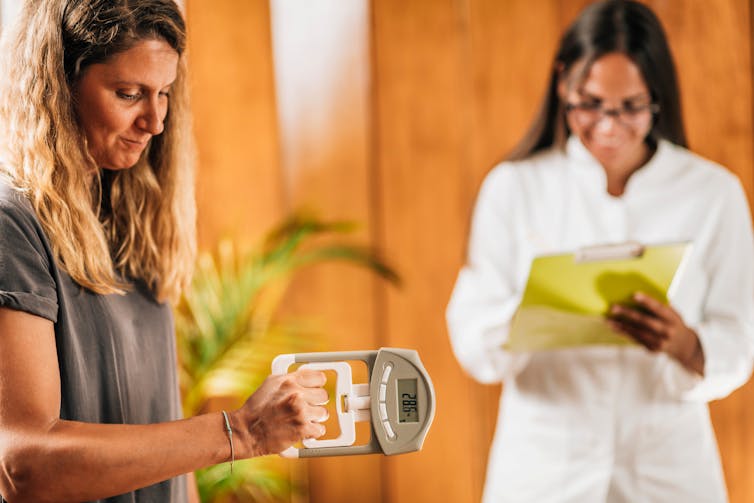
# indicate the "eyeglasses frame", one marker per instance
pixel 619 114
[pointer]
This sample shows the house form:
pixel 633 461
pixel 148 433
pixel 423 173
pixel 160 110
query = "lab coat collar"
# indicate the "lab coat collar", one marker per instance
pixel 655 170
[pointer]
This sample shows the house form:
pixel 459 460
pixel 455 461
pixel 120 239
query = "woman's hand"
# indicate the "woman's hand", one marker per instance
pixel 284 410
pixel 658 327
pixel 46 458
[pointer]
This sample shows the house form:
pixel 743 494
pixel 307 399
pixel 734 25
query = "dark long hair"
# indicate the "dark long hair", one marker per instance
pixel 623 26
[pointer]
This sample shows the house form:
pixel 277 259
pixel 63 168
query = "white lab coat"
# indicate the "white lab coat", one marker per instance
pixel 607 423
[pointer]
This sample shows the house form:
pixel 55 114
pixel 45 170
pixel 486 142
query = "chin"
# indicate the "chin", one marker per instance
pixel 117 168
pixel 120 164
pixel 603 151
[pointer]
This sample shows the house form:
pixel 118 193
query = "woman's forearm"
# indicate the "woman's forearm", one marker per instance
pixel 74 461
pixel 50 461
pixel 44 458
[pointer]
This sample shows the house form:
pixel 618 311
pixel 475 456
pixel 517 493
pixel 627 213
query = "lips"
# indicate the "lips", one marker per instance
pixel 135 144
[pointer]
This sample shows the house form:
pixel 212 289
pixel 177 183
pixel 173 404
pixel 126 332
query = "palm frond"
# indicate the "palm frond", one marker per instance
pixel 228 331
pixel 256 480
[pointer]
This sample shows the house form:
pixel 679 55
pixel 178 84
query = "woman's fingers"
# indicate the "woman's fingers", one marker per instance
pixel 284 410
pixel 643 321
pixel 312 382
pixel 655 307
pixel 309 378
pixel 315 428
pixel 320 415
pixel 640 334
pixel 317 416
pixel 316 396
pixel 659 327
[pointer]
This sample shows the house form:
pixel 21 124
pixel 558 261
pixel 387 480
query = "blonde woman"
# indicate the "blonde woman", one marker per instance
pixel 96 237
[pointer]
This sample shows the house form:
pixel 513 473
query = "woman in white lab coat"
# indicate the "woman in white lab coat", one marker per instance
pixel 605 162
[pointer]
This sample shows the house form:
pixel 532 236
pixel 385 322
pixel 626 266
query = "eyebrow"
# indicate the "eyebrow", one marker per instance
pixel 131 83
pixel 627 98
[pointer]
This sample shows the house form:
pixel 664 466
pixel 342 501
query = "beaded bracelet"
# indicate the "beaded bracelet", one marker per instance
pixel 230 439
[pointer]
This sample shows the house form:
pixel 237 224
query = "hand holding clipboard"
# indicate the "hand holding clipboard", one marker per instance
pixel 568 296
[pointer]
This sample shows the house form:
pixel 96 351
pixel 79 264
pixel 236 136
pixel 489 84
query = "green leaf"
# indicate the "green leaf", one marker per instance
pixel 228 331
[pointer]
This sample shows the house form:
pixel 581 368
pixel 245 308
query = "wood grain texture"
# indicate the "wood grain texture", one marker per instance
pixel 322 74
pixel 505 84
pixel 414 104
pixel 711 43
pixel 239 182
pixel 423 132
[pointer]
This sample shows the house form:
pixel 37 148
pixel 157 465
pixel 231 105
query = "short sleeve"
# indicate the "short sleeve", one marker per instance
pixel 26 278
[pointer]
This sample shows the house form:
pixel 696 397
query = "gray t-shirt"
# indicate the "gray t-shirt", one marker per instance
pixel 116 353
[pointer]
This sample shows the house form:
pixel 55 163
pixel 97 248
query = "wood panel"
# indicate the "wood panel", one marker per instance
pixel 423 132
pixel 322 74
pixel 390 113
pixel 728 134
pixel 239 183
pixel 713 45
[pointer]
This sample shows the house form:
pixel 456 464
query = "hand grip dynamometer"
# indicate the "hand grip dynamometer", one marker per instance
pixel 398 401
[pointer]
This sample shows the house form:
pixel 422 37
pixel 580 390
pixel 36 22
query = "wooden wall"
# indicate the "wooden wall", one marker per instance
pixel 239 186
pixel 391 112
pixel 321 54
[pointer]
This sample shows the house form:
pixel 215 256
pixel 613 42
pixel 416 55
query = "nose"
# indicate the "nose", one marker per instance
pixel 152 117
pixel 608 121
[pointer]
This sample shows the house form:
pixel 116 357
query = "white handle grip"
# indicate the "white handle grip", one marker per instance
pixel 343 387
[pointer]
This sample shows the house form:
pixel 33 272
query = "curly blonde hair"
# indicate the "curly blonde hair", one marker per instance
pixel 105 227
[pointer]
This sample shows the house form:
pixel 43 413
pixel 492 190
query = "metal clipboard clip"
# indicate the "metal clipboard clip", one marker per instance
pixel 619 251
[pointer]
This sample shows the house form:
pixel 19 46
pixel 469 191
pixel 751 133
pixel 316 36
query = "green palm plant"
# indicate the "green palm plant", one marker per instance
pixel 228 334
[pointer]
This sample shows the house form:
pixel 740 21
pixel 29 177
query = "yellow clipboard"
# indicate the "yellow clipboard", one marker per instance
pixel 567 296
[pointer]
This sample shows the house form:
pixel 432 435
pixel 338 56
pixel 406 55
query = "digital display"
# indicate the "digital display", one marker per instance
pixel 408 411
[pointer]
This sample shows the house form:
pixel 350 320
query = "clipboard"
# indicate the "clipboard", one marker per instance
pixel 568 295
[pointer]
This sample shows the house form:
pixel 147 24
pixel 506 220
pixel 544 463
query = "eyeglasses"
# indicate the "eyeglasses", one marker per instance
pixel 590 113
